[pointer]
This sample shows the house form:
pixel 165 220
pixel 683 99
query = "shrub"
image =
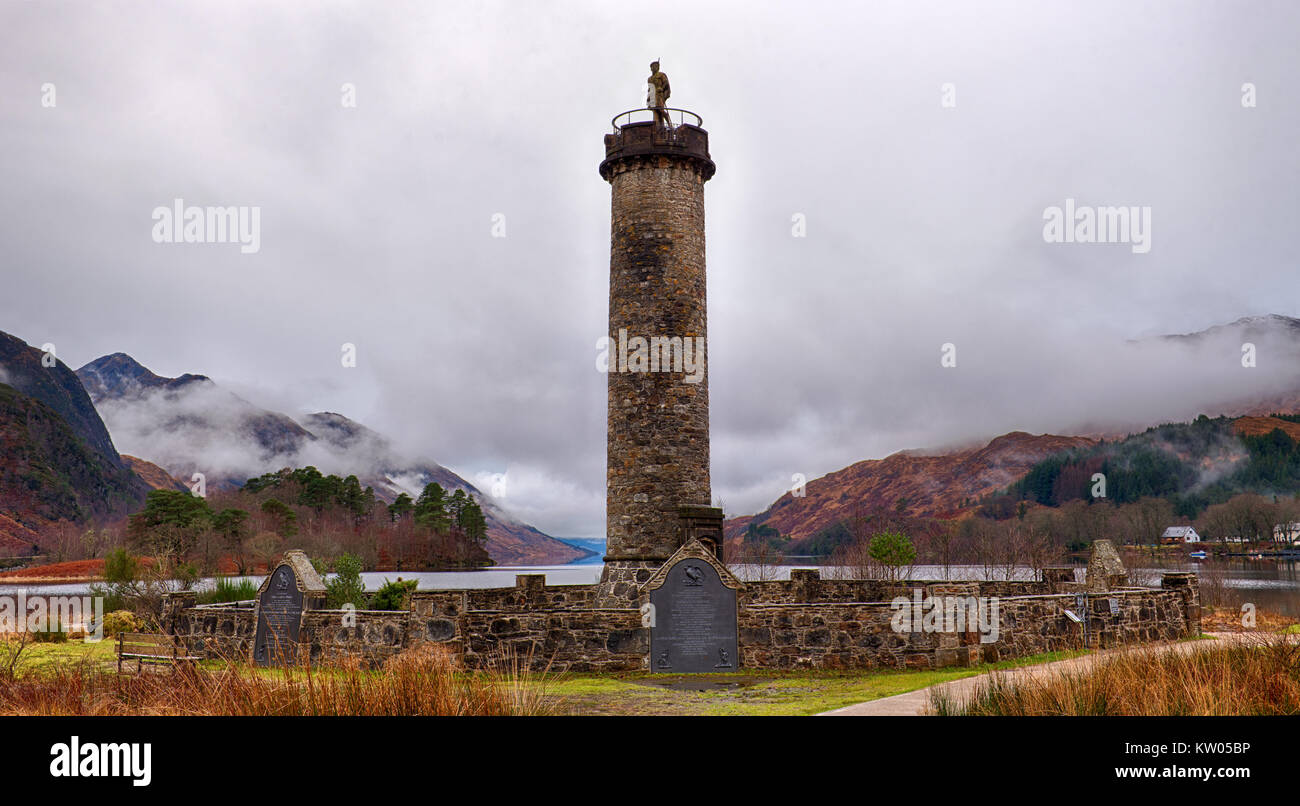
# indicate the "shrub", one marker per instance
pixel 121 567
pixel 114 599
pixel 52 634
pixel 120 621
pixel 228 590
pixel 393 595
pixel 346 587
pixel 893 550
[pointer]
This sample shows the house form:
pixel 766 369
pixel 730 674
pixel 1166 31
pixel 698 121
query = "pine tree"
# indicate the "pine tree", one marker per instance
pixel 431 508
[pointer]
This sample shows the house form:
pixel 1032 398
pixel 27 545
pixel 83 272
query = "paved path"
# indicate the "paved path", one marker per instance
pixel 917 703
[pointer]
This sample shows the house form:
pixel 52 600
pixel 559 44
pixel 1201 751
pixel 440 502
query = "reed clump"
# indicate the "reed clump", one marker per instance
pixel 1259 676
pixel 422 681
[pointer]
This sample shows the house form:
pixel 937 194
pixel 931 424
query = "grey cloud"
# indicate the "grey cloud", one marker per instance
pixel 924 223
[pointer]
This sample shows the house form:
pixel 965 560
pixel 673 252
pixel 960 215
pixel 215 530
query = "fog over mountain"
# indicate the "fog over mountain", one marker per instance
pixel 190 425
pixel 924 222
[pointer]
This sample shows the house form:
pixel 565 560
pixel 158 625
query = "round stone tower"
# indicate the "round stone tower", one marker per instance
pixel 657 494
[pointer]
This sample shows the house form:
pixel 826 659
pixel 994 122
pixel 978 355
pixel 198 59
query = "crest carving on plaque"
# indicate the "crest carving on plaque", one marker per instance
pixel 692 550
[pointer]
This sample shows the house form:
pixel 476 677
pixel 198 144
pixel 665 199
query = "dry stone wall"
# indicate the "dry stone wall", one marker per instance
pixel 802 623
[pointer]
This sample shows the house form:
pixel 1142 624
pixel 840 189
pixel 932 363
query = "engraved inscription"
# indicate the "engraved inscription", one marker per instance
pixel 695 624
pixel 279 619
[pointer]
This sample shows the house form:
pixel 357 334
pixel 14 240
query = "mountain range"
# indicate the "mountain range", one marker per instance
pixel 947 484
pixel 938 485
pixel 189 424
pixel 60 433
pixel 59 462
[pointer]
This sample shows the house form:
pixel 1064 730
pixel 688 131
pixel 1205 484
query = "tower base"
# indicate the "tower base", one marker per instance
pixel 621 581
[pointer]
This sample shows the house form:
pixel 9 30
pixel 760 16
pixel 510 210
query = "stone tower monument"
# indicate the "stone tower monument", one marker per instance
pixel 657 484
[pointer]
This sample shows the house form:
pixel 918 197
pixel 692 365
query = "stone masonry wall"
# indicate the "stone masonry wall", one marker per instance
pixel 227 630
pixel 805 622
pixel 808 586
pixel 857 635
pixel 564 640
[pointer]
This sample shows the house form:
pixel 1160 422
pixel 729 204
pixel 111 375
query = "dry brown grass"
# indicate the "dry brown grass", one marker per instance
pixel 1228 619
pixel 425 681
pixel 1259 676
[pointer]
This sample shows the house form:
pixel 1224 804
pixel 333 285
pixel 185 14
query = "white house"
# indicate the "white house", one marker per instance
pixel 1287 533
pixel 1184 534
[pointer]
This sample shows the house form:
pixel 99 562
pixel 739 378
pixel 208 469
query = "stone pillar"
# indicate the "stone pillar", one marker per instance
pixel 1105 569
pixel 1189 586
pixel 532 583
pixel 657 457
pixel 176 611
pixel 532 587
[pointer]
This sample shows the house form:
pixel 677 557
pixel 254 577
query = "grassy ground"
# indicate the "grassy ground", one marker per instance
pixel 40 656
pixel 755 693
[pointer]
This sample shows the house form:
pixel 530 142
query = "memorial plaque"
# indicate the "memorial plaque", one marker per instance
pixel 694 628
pixel 279 618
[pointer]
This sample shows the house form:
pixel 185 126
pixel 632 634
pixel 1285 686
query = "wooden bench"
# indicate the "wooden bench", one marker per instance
pixel 150 648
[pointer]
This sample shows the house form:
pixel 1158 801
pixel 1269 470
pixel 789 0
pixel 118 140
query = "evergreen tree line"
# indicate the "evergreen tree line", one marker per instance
pixel 327 515
pixel 1191 465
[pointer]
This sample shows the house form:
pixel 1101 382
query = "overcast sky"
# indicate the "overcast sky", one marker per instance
pixel 924 221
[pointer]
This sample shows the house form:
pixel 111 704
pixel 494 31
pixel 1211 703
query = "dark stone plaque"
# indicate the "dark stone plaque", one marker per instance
pixel 279 618
pixel 694 628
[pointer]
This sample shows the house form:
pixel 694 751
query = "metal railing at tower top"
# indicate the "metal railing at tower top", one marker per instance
pixel 676 117
pixel 676 133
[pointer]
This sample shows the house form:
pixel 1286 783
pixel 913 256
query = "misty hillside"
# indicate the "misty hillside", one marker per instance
pixel 1219 384
pixel 190 424
pixel 59 388
pixel 57 461
pixel 1248 328
pixel 920 485
pixel 120 375
pixel 1192 465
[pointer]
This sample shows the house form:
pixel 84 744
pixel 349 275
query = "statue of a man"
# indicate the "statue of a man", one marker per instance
pixel 657 92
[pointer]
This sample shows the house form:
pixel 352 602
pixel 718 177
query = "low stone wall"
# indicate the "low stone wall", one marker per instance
pixel 227 630
pixel 564 640
pixel 856 635
pixel 803 622
pixel 805 586
pixel 837 636
pixel 529 593
pixel 545 626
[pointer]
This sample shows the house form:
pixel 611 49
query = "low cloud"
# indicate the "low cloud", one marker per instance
pixel 922 221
